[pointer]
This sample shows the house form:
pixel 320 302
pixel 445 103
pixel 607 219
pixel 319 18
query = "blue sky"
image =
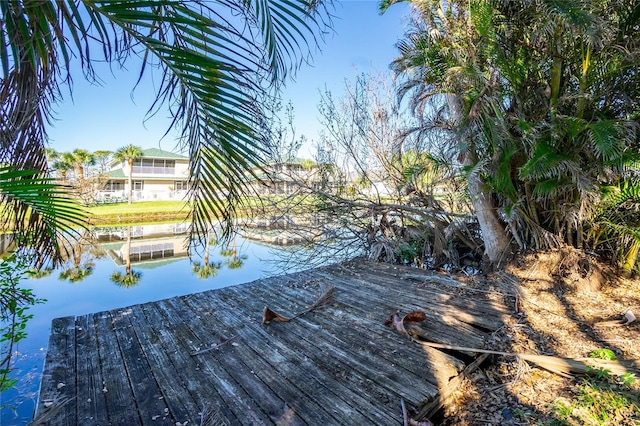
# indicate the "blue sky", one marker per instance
pixel 112 114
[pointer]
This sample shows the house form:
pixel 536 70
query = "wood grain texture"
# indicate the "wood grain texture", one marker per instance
pixel 335 365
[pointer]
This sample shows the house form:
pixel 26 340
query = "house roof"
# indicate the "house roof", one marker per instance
pixel 116 174
pixel 159 153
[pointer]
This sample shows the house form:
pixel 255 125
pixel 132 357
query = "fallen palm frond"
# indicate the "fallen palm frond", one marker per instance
pixel 629 317
pixel 555 364
pixel 211 417
pixel 269 315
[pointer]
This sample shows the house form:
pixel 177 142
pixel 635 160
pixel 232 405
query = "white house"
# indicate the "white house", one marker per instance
pixel 156 175
pixel 285 178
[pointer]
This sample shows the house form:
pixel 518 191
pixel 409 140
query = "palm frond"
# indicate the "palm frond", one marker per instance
pixel 40 211
pixel 606 137
pixel 217 61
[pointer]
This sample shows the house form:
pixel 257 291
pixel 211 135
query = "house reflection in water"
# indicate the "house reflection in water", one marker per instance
pixel 144 245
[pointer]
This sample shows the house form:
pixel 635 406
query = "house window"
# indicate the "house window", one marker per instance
pixel 138 185
pixel 113 186
pixel 181 185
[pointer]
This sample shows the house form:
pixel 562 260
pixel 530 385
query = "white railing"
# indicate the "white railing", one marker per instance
pixel 151 170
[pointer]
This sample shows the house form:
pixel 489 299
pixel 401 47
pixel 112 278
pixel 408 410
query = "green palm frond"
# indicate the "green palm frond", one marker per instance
pixel 617 224
pixel 607 139
pixel 545 162
pixel 40 210
pixel 217 61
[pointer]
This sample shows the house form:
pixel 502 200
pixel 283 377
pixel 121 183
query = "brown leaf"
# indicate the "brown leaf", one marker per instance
pixel 394 321
pixel 268 315
pixel 414 316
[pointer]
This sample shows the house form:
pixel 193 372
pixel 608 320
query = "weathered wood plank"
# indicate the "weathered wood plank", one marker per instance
pixel 343 355
pixel 246 362
pixel 293 366
pixel 119 399
pixel 58 381
pixel 165 363
pixel 467 305
pixel 276 349
pixel 438 330
pixel 242 391
pixel 372 336
pixel 337 365
pixel 149 401
pixel 92 408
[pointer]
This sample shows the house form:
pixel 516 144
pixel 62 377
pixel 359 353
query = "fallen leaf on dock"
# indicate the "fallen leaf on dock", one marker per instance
pixel 394 321
pixel 269 315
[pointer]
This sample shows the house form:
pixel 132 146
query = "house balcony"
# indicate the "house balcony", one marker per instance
pixel 151 170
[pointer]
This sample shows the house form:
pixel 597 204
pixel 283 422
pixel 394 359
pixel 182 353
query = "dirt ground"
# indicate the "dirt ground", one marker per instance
pixel 561 298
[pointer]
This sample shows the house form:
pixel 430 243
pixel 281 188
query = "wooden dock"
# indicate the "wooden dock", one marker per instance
pixel 336 365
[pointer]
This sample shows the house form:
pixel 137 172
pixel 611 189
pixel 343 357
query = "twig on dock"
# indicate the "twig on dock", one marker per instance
pixel 213 347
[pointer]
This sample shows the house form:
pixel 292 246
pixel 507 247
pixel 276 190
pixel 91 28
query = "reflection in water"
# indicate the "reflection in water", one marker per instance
pixel 80 258
pixel 144 245
pixel 235 261
pixel 159 254
pixel 206 270
pixel 129 278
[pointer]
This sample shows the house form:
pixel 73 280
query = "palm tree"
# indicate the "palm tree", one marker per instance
pixel 539 97
pixel 62 165
pixel 129 153
pixel 81 158
pixel 130 277
pixel 206 269
pixel 213 73
pixel 443 74
pixel 235 261
pixel 77 273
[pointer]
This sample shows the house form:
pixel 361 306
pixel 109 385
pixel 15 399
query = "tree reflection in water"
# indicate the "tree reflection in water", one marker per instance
pixel 81 254
pixel 235 261
pixel 130 278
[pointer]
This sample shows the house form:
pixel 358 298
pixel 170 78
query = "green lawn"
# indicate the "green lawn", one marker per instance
pixel 139 207
pixel 138 212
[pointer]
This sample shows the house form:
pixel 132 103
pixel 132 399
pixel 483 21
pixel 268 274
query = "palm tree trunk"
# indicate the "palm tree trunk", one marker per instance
pixel 494 235
pixel 127 253
pixel 206 248
pixel 130 163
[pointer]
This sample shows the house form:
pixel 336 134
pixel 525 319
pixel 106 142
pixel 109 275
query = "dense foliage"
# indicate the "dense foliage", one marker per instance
pixel 542 99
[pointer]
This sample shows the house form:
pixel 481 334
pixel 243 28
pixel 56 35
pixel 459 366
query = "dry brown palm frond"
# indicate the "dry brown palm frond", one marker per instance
pixel 269 315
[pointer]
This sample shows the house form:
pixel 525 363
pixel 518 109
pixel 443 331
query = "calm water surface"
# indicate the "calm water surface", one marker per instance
pixel 158 253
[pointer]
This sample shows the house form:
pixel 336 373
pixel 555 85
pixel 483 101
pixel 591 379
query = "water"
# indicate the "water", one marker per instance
pixel 158 253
